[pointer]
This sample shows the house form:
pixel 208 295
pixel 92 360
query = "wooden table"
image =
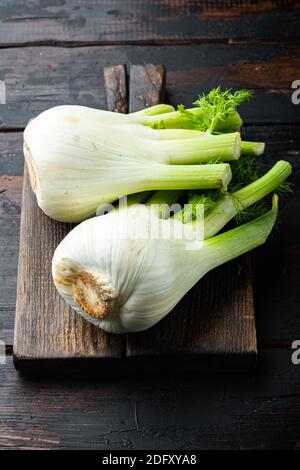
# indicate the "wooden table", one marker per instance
pixel 55 54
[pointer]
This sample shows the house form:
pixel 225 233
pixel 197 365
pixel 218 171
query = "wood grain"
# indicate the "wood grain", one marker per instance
pixel 146 21
pixel 147 86
pixel 189 411
pixel 11 180
pixel 39 78
pixel 45 326
pixel 116 88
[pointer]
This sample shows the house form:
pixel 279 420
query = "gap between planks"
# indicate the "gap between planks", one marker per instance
pixel 150 42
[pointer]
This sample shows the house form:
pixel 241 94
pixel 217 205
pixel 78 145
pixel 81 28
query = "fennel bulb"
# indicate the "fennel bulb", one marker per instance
pixel 80 158
pixel 123 281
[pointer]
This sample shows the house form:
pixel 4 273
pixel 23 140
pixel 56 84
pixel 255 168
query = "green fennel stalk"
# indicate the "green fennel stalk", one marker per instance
pixel 214 112
pixel 233 203
pixel 240 240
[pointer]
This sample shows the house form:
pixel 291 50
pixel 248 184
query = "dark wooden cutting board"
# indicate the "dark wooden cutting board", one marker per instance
pixel 213 327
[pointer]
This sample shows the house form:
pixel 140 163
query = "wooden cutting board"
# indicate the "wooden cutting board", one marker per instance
pixel 212 328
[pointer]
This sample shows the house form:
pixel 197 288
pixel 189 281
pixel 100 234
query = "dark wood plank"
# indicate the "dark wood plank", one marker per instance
pixel 11 179
pixel 10 208
pixel 116 88
pixel 188 411
pixel 201 323
pixel 276 264
pixel 276 308
pixel 147 86
pixel 45 326
pixel 39 78
pixel 150 21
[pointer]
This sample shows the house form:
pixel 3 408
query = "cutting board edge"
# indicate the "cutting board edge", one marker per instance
pixel 158 364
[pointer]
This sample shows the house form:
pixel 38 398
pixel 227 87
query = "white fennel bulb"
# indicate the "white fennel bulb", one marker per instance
pixel 80 158
pixel 120 278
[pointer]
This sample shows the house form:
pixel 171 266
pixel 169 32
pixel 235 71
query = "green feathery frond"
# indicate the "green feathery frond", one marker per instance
pixel 214 107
